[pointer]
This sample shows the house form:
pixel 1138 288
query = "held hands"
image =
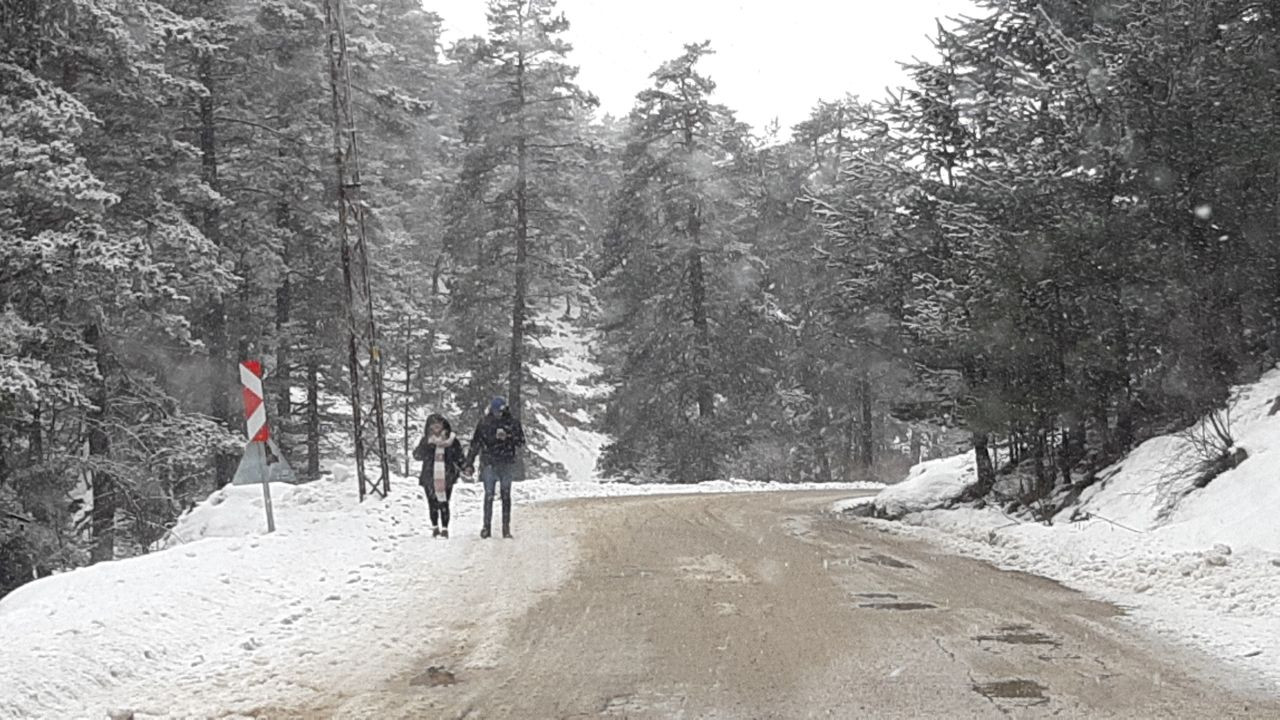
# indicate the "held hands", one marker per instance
pixel 468 471
pixel 501 434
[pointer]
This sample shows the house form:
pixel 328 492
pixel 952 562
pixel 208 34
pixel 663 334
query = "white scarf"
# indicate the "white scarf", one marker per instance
pixel 440 443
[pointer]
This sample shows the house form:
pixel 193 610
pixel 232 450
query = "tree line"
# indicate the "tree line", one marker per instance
pixel 1056 240
pixel 1059 239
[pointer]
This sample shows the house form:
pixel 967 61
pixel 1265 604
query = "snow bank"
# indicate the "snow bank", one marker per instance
pixel 853 505
pixel 551 489
pixel 929 485
pixel 1153 488
pixel 225 619
pixel 1199 566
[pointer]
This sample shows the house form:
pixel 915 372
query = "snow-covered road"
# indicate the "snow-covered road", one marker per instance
pixel 230 621
pixel 748 606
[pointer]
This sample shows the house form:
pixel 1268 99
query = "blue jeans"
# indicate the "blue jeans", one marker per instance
pixel 494 475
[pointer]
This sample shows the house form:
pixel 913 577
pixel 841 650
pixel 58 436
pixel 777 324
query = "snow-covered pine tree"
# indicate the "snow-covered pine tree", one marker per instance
pixel 516 230
pixel 683 308
pixel 104 267
pixel 857 366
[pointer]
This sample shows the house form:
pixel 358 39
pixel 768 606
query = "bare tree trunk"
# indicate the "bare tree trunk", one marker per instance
pixel 1073 449
pixel 698 298
pixel 427 376
pixel 1038 461
pixel 846 447
pixel 313 418
pixel 866 427
pixel 1124 424
pixel 1102 425
pixel 35 436
pixel 215 321
pixel 408 390
pixel 515 366
pixel 243 315
pixel 283 375
pixel 986 471
pixel 698 302
pixel 103 517
pixel 821 424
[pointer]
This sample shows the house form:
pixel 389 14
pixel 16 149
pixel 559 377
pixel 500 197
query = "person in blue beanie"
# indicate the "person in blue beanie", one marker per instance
pixel 497 438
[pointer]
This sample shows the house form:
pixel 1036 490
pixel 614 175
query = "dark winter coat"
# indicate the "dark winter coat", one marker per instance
pixel 454 458
pixel 485 441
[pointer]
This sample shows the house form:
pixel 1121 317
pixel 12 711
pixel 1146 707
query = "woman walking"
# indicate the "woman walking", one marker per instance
pixel 442 459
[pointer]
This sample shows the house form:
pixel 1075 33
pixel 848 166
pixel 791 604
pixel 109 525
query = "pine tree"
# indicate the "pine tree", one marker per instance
pixel 682 291
pixel 515 220
pixel 105 265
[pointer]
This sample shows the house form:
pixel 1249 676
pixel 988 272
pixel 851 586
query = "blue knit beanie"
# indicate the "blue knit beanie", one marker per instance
pixel 497 404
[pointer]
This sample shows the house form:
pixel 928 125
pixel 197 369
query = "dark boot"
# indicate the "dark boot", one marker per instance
pixel 488 513
pixel 506 515
pixel 445 533
pixel 484 533
pixel 435 532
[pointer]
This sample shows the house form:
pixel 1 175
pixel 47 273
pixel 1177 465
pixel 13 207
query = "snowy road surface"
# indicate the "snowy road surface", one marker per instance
pixel 761 606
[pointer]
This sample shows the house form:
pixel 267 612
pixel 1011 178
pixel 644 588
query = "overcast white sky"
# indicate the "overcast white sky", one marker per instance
pixel 774 58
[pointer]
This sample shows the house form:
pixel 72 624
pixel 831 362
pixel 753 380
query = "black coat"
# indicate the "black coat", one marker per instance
pixel 454 458
pixel 485 441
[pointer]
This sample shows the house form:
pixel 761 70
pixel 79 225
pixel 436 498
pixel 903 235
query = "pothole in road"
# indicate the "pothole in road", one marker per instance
pixel 644 703
pixel 1015 689
pixel 710 568
pixel 434 676
pixel 1019 635
pixel 899 606
pixel 886 561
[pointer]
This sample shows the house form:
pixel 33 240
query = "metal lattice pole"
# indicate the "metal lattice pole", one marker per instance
pixel 365 360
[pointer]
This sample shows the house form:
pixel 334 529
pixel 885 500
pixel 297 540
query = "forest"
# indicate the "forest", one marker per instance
pixel 1061 237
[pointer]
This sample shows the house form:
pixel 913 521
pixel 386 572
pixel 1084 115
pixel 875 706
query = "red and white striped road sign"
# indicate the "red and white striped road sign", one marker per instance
pixel 255 412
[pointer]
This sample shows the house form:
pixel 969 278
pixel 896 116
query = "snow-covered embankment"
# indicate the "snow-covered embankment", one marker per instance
pixel 1200 566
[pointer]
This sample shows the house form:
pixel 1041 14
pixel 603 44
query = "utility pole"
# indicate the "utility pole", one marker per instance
pixel 365 358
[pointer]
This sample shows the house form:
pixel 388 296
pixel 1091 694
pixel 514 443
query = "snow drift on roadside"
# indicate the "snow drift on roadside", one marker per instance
pixel 228 619
pixel 1153 488
pixel 1201 567
pixel 929 485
